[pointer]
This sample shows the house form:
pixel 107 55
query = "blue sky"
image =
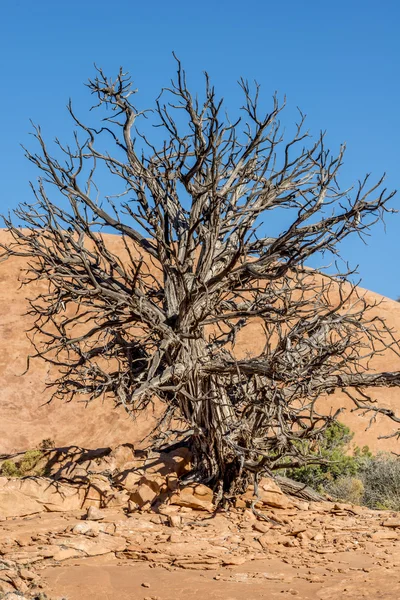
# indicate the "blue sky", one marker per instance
pixel 339 61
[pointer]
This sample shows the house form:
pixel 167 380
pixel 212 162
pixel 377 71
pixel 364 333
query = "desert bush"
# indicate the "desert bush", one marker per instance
pixel 30 460
pixel 381 480
pixel 25 466
pixel 47 444
pixel 351 475
pixel 9 469
pixel 337 462
pixel 347 489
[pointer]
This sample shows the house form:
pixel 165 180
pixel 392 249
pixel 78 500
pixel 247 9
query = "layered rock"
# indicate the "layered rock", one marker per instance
pixel 176 536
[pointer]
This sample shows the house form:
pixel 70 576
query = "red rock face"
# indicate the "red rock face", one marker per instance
pixel 26 419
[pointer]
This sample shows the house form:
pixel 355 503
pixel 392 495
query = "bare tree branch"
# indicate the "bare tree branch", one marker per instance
pixel 162 318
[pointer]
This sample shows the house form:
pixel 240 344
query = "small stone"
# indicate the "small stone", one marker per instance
pixel 23 540
pixel 234 561
pixel 391 523
pixel 145 585
pixel 94 514
pixel 132 506
pixel 157 520
pixel 297 529
pixel 87 527
pixel 248 515
pixel 240 503
pixel 174 520
pixel 301 505
pixel 265 542
pixel 261 527
pixel 27 574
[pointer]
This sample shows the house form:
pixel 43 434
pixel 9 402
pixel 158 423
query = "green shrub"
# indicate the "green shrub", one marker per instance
pixel 333 449
pixel 29 460
pixel 356 477
pixel 9 469
pixel 24 466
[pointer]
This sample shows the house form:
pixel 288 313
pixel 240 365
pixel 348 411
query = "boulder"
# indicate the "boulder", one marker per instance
pixel 148 489
pixel 131 480
pixel 97 491
pixel 101 494
pixel 20 497
pixel 15 504
pixel 121 455
pixel 269 494
pixel 196 496
pixel 116 499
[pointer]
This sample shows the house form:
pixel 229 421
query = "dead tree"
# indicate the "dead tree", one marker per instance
pixel 195 207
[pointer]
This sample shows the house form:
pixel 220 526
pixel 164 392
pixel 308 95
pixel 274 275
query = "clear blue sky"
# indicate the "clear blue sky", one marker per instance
pixel 339 61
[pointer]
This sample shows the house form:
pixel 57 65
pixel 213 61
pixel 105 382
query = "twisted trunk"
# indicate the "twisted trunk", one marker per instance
pixel 205 405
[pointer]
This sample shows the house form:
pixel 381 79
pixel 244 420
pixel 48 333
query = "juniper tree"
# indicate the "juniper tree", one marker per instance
pixel 200 262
